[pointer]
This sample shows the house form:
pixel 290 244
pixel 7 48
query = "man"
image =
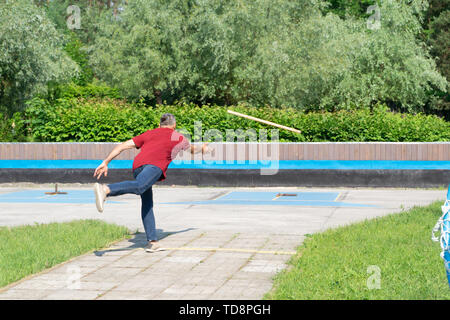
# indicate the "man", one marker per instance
pixel 158 148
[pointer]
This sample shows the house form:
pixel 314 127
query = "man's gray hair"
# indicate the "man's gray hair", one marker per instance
pixel 167 119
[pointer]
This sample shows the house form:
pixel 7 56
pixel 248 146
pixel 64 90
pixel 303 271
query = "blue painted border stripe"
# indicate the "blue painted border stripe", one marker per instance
pixel 238 165
pixel 314 203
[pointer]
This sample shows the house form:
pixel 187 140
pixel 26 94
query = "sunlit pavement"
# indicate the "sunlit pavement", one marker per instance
pixel 221 243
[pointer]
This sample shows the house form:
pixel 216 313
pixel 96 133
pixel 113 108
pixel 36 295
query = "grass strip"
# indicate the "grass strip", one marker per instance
pixel 29 249
pixel 390 257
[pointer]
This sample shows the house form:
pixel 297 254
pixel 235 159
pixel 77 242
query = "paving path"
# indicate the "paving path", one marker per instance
pixel 215 249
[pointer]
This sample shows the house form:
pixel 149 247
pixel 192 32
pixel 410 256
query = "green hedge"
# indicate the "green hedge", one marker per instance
pixel 72 90
pixel 115 121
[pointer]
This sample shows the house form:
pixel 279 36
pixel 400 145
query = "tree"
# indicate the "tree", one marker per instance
pixel 63 14
pixel 349 8
pixel 278 52
pixel 437 29
pixel 31 53
pixel 198 51
pixel 330 63
pixel 234 47
pixel 140 50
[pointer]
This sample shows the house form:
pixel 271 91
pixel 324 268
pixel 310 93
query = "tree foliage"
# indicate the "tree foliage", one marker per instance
pixel 90 10
pixel 349 8
pixel 141 50
pixel 281 53
pixel 307 54
pixel 438 25
pixel 31 53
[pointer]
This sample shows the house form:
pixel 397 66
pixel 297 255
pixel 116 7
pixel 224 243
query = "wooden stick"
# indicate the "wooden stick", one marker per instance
pixel 263 121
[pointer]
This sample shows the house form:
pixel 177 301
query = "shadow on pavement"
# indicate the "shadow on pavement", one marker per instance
pixel 139 240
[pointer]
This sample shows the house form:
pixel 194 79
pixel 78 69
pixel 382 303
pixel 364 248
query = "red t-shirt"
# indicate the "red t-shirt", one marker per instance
pixel 159 147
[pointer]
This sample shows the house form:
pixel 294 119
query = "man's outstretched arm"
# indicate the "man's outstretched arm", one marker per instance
pixel 103 168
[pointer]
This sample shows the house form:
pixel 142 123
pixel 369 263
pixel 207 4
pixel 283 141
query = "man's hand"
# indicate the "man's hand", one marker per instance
pixel 205 148
pixel 101 169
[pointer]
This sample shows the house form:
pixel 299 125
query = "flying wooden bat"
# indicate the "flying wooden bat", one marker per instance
pixel 263 121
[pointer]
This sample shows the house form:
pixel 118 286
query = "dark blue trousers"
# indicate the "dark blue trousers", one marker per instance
pixel 145 177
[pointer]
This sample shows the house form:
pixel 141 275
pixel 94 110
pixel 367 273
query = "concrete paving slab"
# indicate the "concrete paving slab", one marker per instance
pixel 213 251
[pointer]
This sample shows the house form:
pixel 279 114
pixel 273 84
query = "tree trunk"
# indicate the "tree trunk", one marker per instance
pixel 158 97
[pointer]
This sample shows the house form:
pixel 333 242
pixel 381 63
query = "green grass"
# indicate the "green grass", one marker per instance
pixel 334 264
pixel 26 250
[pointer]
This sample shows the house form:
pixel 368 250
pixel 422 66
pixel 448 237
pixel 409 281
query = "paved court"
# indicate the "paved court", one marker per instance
pixel 222 243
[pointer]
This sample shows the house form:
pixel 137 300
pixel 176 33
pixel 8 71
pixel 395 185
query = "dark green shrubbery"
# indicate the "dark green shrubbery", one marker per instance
pixel 72 90
pixel 115 120
pixel 13 129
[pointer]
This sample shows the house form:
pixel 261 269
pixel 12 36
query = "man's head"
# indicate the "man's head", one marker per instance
pixel 167 121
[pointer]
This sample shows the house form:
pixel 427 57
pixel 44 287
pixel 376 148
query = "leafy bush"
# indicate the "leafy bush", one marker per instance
pixel 74 48
pixel 12 129
pixel 73 90
pixel 115 121
pixel 4 128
